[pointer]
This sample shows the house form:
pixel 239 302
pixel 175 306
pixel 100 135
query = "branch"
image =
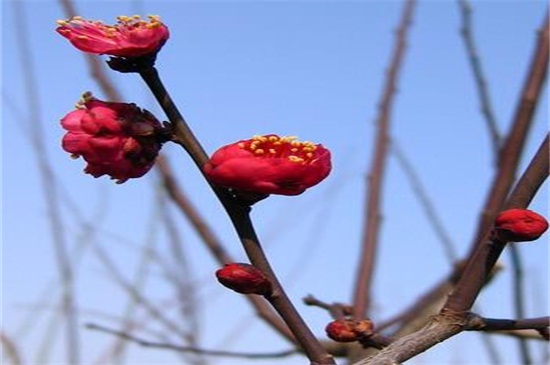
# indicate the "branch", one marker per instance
pixel 365 272
pixel 192 349
pixel 449 322
pixel 214 245
pixel 423 197
pixel 481 83
pixel 239 215
pixel 492 324
pixel 10 349
pixel 482 256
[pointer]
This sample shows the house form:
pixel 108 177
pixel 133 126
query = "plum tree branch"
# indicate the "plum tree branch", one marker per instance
pixel 239 215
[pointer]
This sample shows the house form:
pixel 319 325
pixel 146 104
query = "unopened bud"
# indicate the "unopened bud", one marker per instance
pixel 342 330
pixel 517 225
pixel 244 279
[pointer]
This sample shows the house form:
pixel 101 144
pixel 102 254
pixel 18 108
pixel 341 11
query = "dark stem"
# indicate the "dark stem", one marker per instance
pixel 493 324
pixel 214 245
pixel 240 217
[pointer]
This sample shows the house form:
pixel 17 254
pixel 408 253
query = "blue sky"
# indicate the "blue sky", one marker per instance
pixel 307 68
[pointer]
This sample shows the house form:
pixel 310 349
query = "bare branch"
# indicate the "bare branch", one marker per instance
pixel 425 202
pixel 493 324
pixel 192 349
pixel 479 77
pixel 478 268
pixel 365 272
pixel 10 349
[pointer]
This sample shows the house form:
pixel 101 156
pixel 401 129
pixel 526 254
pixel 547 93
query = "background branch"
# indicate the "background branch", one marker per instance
pixel 371 226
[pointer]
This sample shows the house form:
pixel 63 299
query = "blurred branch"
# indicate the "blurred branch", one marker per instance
pixel 336 310
pixel 371 227
pixel 134 293
pixel 477 69
pixel 519 299
pixel 10 350
pixel 138 285
pixel 191 349
pixel 182 279
pixel 49 186
pixel 422 195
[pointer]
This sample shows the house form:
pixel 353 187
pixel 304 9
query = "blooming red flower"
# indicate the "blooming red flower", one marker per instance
pixel 116 139
pixel 269 164
pixel 130 37
pixel 517 225
pixel 244 279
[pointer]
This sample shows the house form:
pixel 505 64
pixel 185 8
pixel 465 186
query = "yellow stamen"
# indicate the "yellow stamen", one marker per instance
pixel 295 159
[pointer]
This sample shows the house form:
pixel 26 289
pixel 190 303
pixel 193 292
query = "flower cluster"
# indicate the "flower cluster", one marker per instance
pixel 130 37
pixel 269 164
pixel 115 139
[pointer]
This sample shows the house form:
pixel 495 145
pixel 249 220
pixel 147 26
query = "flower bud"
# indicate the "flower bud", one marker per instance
pixel 244 279
pixel 342 330
pixel 517 225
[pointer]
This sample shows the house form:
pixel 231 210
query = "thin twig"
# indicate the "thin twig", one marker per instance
pixel 371 226
pixel 182 279
pixel 425 201
pixel 134 293
pixel 192 349
pixel 519 300
pixel 479 77
pixel 494 324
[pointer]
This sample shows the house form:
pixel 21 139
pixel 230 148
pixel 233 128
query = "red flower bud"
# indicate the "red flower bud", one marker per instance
pixel 244 279
pixel 130 37
pixel 517 225
pixel 115 139
pixel 269 164
pixel 342 330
